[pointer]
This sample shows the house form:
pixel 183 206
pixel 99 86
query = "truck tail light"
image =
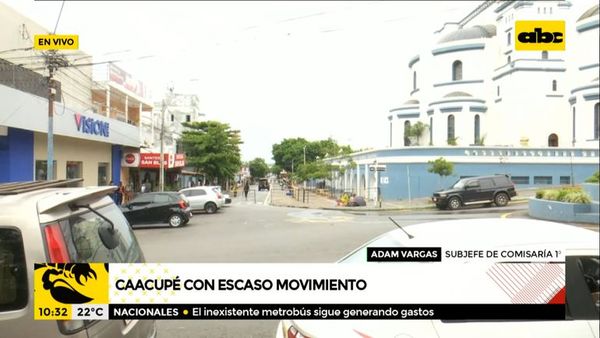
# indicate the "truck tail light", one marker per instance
pixel 55 242
pixel 182 204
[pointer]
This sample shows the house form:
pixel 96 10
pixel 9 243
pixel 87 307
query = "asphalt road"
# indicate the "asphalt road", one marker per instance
pixel 253 232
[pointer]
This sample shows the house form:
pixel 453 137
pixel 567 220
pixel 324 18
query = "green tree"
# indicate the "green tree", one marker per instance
pixel 290 152
pixel 441 167
pixel 298 149
pixel 212 148
pixel 275 169
pixel 314 170
pixel 417 130
pixel 258 168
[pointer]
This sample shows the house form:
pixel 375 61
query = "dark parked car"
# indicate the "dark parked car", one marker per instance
pixel 158 207
pixel 498 189
pixel 263 183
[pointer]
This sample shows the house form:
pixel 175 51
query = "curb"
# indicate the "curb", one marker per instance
pixel 370 209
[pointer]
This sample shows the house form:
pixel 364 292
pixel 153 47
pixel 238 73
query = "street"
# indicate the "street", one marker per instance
pixel 246 231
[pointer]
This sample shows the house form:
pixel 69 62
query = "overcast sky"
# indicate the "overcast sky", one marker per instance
pixel 272 69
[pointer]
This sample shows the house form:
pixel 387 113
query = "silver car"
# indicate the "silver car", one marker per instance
pixel 207 198
pixel 48 222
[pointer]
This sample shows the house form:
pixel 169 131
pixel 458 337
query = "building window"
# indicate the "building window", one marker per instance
pixel 565 180
pixel 542 180
pixel 41 170
pixel 172 117
pixel 596 121
pixel 508 39
pixel 508 59
pixel 74 169
pixel 498 91
pixel 553 85
pixel 406 133
pixel 451 137
pixel 431 131
pixel 553 140
pixel 477 130
pixel 520 179
pixel 102 173
pixel 545 55
pixel 414 80
pixel 457 70
pixel 188 118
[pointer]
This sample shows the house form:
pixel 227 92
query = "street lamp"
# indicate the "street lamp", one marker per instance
pixel 305 154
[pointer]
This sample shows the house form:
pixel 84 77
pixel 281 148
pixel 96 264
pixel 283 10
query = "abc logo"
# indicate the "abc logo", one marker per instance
pixel 540 35
pixel 537 36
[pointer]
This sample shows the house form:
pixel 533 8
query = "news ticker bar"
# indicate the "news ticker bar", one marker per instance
pixel 466 312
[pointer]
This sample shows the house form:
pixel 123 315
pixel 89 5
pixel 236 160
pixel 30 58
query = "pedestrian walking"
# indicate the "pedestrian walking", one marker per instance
pixel 119 194
pixel 246 189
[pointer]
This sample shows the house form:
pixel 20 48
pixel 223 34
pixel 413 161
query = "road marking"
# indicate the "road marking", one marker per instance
pixel 507 214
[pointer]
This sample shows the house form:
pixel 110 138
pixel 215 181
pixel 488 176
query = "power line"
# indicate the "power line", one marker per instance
pixel 15 50
pixel 59 14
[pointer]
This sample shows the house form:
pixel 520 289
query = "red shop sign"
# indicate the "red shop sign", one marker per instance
pixel 152 160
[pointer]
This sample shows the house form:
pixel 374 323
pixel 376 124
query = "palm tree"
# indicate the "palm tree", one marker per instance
pixel 417 130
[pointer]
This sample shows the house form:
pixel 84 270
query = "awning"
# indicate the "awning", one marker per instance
pixel 191 173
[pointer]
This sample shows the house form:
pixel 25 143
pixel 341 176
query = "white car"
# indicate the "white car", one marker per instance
pixel 226 197
pixel 205 198
pixel 582 281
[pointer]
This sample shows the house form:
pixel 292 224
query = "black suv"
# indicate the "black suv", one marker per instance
pixel 482 189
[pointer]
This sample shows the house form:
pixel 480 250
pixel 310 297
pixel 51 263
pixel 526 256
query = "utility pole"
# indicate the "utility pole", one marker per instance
pixel 162 138
pixel 50 147
pixel 53 62
pixel 161 175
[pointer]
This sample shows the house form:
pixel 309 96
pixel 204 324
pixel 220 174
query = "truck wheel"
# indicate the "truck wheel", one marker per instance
pixel 453 203
pixel 501 199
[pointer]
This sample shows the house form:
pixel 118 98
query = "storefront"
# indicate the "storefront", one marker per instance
pixel 86 145
pixel 145 167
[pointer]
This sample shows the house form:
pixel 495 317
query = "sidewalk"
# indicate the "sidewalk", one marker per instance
pixel 315 201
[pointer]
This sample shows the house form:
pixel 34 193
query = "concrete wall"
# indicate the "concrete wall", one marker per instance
pixel 423 183
pixel 592 190
pixel 404 164
pixel 560 211
pixel 71 149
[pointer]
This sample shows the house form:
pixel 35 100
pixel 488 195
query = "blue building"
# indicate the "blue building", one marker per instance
pixel 402 173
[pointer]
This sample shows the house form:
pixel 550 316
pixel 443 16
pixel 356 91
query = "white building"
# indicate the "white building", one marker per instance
pixel 489 108
pixel 179 109
pixel 473 88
